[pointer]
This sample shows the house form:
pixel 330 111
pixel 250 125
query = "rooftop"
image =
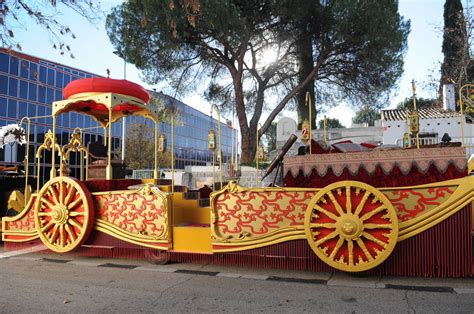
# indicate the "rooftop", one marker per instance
pixel 425 113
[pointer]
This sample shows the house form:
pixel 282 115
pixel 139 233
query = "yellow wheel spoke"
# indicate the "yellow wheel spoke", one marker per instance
pixel 61 190
pixel 42 214
pixel 74 203
pixel 336 248
pixel 373 212
pixel 62 237
pixel 48 203
pixel 350 247
pixel 71 232
pixel 374 239
pixel 54 234
pixel 322 225
pixel 326 212
pixel 377 226
pixel 364 249
pixel 362 203
pixel 69 195
pixel 328 237
pixel 348 200
pixel 74 223
pixel 47 227
pixel 53 192
pixel 336 203
pixel 74 214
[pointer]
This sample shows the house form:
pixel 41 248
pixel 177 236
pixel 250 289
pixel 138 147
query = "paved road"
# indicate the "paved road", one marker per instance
pixel 35 283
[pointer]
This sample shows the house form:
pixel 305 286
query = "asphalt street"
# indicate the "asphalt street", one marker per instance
pixel 53 283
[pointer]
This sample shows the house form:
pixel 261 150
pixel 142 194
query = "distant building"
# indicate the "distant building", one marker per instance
pixel 29 85
pixel 434 123
pixel 356 134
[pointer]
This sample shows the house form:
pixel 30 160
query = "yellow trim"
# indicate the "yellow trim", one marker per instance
pixel 117 233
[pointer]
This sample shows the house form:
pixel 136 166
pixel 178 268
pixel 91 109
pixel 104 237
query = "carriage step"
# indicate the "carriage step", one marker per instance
pixel 204 202
pixel 194 195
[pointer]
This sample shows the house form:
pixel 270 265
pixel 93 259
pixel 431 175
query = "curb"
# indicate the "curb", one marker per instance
pixel 329 282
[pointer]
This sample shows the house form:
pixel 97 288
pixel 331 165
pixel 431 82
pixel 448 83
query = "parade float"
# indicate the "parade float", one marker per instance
pixel 389 212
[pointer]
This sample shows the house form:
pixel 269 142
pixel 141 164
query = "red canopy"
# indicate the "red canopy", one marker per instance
pixel 106 85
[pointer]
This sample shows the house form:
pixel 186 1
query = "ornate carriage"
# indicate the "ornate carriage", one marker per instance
pixel 337 223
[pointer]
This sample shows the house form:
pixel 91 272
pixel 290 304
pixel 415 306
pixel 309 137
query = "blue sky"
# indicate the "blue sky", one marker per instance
pixel 94 53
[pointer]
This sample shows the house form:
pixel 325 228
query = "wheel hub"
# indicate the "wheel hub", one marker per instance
pixel 60 214
pixel 350 226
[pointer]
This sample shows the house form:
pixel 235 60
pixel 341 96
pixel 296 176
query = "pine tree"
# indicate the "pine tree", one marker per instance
pixel 455 45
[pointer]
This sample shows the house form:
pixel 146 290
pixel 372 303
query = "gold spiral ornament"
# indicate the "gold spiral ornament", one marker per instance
pixel 351 226
pixel 64 214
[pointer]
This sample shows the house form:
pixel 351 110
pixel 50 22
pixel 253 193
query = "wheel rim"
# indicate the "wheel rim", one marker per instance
pixel 351 226
pixel 63 214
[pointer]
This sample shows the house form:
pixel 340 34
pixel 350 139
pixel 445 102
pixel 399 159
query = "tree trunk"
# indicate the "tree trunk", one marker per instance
pixel 304 50
pixel 248 137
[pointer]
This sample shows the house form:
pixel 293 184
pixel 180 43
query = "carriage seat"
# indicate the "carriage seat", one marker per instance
pixel 98 163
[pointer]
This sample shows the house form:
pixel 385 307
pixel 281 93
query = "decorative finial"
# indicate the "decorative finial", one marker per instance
pixel 108 72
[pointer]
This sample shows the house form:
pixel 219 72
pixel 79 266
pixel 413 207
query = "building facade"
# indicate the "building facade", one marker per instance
pixel 433 124
pixel 28 87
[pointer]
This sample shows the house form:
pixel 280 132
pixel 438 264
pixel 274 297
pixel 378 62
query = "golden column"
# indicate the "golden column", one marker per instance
pixel 308 103
pixel 219 149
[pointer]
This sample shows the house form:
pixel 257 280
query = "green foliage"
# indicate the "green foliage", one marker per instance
pixel 270 137
pixel 140 148
pixel 332 123
pixel 456 66
pixel 357 51
pixel 420 103
pixel 367 114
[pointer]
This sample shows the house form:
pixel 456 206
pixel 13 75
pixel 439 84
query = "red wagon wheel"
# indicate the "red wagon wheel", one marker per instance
pixel 64 214
pixel 351 226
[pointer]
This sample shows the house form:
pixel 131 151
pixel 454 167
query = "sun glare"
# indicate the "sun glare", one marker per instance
pixel 268 56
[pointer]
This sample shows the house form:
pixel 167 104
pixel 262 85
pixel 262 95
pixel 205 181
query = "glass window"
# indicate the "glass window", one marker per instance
pixel 40 134
pixel 42 94
pixel 32 91
pixel 14 65
pixel 80 121
pixel 23 89
pixel 50 77
pixel 4 62
pixel 3 107
pixel 13 87
pixel 65 119
pixel 67 79
pixel 22 109
pixel 49 95
pixel 33 71
pixel 42 74
pixel 3 84
pixel 73 120
pixel 48 112
pixel 59 79
pixel 59 95
pixel 32 134
pixel 12 108
pixel 41 112
pixel 31 110
pixel 24 69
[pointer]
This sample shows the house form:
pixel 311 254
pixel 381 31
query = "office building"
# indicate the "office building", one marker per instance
pixel 29 85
